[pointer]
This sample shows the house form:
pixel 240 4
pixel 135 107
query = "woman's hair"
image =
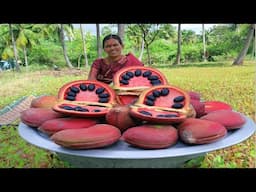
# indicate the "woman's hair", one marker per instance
pixel 112 36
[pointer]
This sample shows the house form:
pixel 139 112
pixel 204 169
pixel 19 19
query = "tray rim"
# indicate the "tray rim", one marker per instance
pixel 122 150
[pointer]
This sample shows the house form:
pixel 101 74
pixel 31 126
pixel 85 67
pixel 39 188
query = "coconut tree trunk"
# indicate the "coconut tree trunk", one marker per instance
pixel 62 39
pixel 254 44
pixel 25 56
pixel 142 50
pixel 120 28
pixel 17 67
pixel 149 58
pixel 204 44
pixel 99 52
pixel 84 46
pixel 177 61
pixel 239 60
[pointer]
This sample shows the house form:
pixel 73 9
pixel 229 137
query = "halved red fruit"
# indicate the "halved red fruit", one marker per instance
pixel 216 105
pixel 162 104
pixel 129 82
pixel 85 98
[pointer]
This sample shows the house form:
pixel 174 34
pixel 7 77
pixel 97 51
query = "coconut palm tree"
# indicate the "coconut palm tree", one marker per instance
pixel 84 46
pixel 242 54
pixel 177 61
pixel 120 28
pixel 99 50
pixel 17 67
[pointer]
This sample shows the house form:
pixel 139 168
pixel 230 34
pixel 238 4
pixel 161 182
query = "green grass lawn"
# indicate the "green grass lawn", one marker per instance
pixel 219 81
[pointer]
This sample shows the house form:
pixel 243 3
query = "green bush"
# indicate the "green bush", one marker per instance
pixel 47 53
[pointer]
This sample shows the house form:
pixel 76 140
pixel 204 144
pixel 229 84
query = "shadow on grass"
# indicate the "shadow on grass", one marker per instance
pixel 208 64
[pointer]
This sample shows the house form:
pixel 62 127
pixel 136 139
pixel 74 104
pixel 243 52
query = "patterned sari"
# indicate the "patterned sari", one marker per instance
pixel 105 71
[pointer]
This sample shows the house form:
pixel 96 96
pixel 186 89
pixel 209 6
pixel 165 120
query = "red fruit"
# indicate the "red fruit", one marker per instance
pixel 129 82
pixel 215 105
pixel 194 95
pixel 230 119
pixel 52 126
pixel 162 104
pixel 198 106
pixel 96 136
pixel 85 98
pixel 119 117
pixel 34 117
pixel 44 101
pixel 199 131
pixel 151 136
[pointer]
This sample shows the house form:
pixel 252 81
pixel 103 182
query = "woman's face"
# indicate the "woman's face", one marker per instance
pixel 113 48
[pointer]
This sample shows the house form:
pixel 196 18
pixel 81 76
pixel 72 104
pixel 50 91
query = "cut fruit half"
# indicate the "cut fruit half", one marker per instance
pixel 129 82
pixel 85 98
pixel 162 104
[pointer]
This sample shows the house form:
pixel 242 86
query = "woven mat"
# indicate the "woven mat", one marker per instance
pixel 11 113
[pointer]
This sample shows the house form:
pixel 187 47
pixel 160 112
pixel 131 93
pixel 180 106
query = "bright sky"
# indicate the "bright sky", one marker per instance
pixel 195 27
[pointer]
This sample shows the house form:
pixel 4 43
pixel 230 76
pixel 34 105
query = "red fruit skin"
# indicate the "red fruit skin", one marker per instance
pixel 34 117
pixel 229 119
pixel 44 101
pixel 216 105
pixel 151 136
pixel 96 136
pixel 119 117
pixel 54 125
pixel 199 131
pixel 199 107
pixel 194 95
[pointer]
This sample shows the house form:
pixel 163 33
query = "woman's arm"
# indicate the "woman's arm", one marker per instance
pixel 93 74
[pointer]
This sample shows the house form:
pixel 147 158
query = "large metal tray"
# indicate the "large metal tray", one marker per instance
pixel 122 152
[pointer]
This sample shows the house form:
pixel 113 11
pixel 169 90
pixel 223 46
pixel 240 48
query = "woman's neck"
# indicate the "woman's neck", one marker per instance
pixel 114 59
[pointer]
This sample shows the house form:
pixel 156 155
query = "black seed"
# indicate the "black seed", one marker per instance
pixel 156 93
pixel 153 77
pixel 130 74
pixel 67 107
pixel 164 91
pixel 125 82
pixel 70 98
pixel 74 89
pixel 84 110
pixel 145 113
pixel 179 99
pixel 91 87
pixel 78 108
pixel 166 115
pixel 160 115
pixel 155 82
pixel 103 95
pixel 151 97
pixel 71 93
pixel 177 105
pixel 171 115
pixel 147 73
pixel 100 90
pixel 96 110
pixel 137 72
pixel 83 87
pixel 103 100
pixel 149 102
pixel 126 77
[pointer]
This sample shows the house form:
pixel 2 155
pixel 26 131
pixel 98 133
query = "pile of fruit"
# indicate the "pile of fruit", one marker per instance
pixel 141 108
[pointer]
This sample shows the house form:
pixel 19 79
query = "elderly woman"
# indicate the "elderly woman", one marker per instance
pixel 103 69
